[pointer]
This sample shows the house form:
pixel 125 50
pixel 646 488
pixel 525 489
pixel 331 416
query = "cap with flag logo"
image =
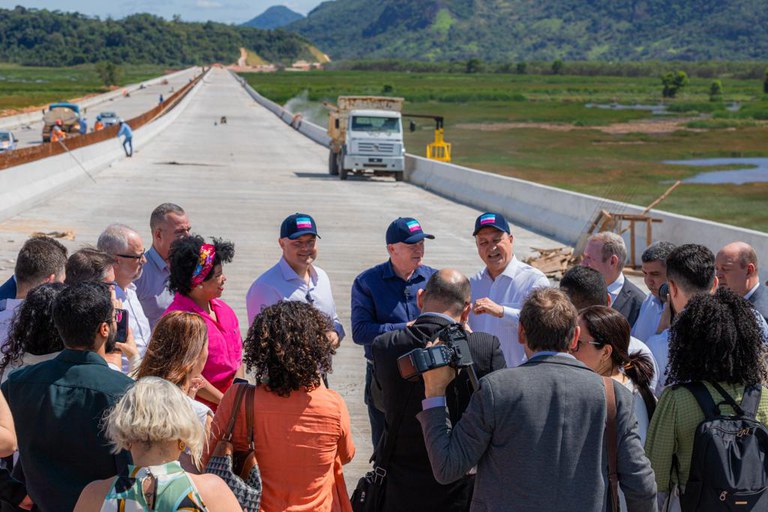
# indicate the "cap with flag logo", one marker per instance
pixel 406 230
pixel 491 220
pixel 297 225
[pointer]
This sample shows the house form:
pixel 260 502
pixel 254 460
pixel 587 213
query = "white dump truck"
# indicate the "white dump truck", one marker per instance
pixel 366 136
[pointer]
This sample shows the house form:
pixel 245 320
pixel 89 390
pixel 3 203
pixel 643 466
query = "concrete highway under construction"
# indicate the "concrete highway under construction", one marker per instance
pixel 238 181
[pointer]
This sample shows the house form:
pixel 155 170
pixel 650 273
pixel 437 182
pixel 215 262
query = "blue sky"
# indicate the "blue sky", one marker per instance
pixel 226 11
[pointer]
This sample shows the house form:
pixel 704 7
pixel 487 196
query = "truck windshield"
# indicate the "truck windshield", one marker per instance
pixel 5 137
pixel 375 124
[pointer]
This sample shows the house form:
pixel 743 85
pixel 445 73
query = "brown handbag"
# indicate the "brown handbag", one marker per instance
pixel 611 440
pixel 239 469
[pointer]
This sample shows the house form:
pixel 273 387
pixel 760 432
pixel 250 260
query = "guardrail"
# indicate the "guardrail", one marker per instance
pixel 46 150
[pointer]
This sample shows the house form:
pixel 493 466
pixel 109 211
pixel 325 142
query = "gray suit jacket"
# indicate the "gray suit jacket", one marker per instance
pixel 628 302
pixel 536 433
pixel 759 301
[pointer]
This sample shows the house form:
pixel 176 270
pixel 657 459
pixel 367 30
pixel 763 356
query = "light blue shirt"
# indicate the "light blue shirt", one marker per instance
pixel 125 130
pixel 137 320
pixel 648 320
pixel 152 287
pixel 509 289
pixel 281 282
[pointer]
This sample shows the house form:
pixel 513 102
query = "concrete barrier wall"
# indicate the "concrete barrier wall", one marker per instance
pixel 553 212
pixel 37 116
pixel 317 133
pixel 24 185
pixel 561 214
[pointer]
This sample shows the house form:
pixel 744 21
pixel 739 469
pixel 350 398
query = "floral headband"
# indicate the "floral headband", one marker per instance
pixel 204 264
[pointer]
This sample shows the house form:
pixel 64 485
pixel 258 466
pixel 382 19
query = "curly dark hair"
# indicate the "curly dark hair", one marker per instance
pixel 184 256
pixel 287 347
pixel 717 338
pixel 32 329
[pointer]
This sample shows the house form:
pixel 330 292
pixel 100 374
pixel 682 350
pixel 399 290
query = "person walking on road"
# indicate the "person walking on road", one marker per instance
pixel 126 131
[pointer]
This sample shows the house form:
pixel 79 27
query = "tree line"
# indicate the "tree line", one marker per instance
pixel 39 37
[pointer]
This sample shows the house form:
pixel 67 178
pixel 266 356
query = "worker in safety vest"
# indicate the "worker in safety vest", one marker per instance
pixel 57 133
pixel 98 125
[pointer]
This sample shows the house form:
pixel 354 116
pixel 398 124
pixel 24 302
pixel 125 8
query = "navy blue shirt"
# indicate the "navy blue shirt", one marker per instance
pixel 57 407
pixel 383 302
pixel 8 289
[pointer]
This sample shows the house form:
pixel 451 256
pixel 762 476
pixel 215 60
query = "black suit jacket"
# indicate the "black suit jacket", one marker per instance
pixel 410 484
pixel 629 301
pixel 759 301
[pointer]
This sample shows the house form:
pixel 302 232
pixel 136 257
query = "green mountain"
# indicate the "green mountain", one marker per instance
pixel 39 37
pixel 275 17
pixel 519 30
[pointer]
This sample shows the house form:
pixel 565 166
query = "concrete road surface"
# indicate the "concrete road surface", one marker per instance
pixel 239 181
pixel 128 107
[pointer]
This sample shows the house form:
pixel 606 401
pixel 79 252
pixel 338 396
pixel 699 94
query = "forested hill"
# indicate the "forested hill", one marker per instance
pixel 275 17
pixel 519 30
pixel 45 38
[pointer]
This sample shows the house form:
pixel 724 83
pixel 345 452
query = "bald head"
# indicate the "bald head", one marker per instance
pixel 447 292
pixel 736 267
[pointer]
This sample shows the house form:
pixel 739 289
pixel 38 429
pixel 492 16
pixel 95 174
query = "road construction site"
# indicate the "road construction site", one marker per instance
pixel 240 178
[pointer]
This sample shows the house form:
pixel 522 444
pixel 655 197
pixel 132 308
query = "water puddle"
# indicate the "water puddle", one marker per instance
pixel 754 170
pixel 654 109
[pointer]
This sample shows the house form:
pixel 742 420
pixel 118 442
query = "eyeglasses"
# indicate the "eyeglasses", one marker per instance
pixel 579 343
pixel 131 256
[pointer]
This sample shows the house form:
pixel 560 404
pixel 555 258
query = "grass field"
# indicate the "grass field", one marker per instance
pixel 22 87
pixel 538 128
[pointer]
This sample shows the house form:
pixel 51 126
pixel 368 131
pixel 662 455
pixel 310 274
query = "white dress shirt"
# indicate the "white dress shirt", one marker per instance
pixel 648 320
pixel 137 320
pixel 281 282
pixel 615 287
pixel 509 289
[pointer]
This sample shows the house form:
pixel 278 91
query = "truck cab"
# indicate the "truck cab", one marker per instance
pixel 374 141
pixel 366 137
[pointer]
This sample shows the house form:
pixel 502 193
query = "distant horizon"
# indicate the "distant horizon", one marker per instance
pixel 223 11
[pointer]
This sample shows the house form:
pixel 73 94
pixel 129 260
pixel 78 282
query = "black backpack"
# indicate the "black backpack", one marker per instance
pixel 729 464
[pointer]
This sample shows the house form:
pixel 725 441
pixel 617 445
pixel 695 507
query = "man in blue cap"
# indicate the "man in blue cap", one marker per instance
pixel 295 277
pixel 384 298
pixel 499 290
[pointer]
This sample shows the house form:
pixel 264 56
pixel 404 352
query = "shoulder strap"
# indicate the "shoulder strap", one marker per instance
pixel 249 399
pixel 611 438
pixel 728 399
pixel 751 400
pixel 235 411
pixel 704 398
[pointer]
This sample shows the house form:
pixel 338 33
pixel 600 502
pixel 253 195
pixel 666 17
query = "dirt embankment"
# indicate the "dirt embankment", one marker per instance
pixel 649 126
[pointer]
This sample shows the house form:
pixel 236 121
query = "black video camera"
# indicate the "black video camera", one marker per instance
pixel 453 351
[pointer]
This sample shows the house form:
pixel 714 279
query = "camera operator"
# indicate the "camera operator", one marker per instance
pixel 409 482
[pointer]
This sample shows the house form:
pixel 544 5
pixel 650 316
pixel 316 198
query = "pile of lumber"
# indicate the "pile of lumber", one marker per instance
pixel 553 262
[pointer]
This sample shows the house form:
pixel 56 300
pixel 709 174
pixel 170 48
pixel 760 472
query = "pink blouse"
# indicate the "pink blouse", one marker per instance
pixel 225 346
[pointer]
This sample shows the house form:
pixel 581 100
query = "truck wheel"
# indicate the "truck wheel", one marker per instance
pixel 333 164
pixel 399 176
pixel 343 173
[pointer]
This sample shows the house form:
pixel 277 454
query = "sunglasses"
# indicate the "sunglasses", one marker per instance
pixel 131 256
pixel 579 343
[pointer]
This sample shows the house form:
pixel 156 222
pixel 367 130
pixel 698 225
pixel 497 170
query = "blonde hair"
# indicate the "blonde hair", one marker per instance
pixel 155 411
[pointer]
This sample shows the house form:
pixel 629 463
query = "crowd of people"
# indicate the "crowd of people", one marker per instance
pixel 124 373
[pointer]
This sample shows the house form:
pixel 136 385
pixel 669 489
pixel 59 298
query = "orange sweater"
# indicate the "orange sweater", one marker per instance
pixel 301 441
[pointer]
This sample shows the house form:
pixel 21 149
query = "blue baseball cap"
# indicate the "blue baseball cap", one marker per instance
pixel 492 220
pixel 297 225
pixel 406 230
